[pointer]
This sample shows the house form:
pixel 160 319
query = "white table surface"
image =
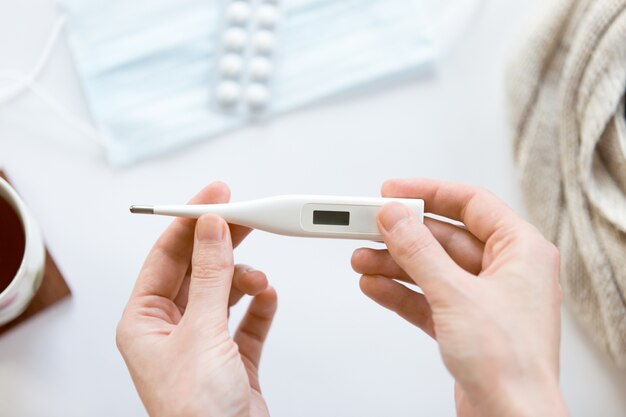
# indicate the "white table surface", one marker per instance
pixel 331 350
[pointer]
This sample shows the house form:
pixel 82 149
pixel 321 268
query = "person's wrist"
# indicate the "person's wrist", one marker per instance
pixel 545 400
pixel 542 398
pixel 192 408
pixel 535 394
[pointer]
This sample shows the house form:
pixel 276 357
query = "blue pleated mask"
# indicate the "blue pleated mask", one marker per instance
pixel 147 67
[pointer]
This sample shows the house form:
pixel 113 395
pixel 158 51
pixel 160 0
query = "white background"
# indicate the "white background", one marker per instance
pixel 331 350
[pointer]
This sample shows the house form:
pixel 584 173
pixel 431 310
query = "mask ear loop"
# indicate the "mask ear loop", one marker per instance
pixel 28 82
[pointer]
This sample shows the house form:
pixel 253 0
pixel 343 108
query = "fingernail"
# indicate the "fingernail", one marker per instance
pixel 210 229
pixel 393 213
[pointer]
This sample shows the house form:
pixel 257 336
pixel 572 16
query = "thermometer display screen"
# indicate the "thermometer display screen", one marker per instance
pixel 331 218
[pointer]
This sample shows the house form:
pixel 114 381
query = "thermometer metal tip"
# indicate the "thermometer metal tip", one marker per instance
pixel 142 209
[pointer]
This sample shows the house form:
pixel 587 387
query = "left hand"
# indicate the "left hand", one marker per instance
pixel 173 334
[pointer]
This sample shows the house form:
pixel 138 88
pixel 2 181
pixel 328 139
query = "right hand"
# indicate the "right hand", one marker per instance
pixel 491 295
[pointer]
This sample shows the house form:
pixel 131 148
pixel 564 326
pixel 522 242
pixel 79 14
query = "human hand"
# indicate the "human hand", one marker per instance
pixel 174 335
pixel 491 295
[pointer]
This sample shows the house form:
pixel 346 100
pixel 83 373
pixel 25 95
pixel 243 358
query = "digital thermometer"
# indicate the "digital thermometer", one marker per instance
pixel 297 215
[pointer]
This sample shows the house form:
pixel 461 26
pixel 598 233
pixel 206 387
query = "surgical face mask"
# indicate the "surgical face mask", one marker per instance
pixel 148 68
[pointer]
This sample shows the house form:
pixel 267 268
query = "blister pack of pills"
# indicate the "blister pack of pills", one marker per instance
pixel 247 56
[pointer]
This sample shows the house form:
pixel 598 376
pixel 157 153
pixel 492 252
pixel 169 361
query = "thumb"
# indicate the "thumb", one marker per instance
pixel 414 248
pixel 211 271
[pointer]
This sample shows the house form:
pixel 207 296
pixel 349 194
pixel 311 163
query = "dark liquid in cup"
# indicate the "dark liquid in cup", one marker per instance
pixel 12 243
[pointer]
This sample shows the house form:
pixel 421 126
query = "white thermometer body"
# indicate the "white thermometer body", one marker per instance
pixel 298 215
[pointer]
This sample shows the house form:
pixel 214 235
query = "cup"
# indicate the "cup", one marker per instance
pixel 22 255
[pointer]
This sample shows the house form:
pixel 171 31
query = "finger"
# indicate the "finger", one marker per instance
pixel 482 212
pixel 165 267
pixel 246 281
pixel 463 248
pixel 183 292
pixel 368 261
pixel 238 233
pixel 409 305
pixel 414 248
pixel 254 327
pixel 211 271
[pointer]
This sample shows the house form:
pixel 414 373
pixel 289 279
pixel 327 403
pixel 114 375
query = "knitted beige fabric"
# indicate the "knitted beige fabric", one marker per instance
pixel 566 86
